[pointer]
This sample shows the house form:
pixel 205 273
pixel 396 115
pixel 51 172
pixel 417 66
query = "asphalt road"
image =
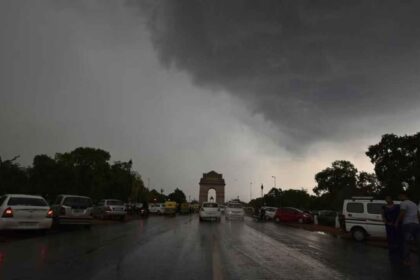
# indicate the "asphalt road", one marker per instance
pixel 183 248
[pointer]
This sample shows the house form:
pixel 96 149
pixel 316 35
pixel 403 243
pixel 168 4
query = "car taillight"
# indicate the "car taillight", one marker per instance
pixel 8 213
pixel 62 211
pixel 50 213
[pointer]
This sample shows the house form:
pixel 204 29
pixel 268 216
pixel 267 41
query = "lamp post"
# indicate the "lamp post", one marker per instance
pixel 250 191
pixel 262 190
pixel 275 185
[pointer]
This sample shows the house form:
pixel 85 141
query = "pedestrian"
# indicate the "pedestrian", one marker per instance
pixel 390 213
pixel 409 218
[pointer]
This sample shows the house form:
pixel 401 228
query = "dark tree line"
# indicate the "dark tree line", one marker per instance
pixel 83 171
pixel 396 161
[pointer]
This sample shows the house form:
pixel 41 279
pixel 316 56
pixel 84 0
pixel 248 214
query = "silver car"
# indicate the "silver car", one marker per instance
pixel 73 210
pixel 110 208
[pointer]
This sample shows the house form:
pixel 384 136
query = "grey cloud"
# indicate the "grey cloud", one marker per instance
pixel 307 66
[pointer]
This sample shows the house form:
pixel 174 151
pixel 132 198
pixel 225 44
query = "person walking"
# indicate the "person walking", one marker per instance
pixel 390 213
pixel 409 217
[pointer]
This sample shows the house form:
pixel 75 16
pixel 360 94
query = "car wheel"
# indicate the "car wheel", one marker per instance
pixel 122 218
pixel 358 234
pixel 201 219
pixel 88 226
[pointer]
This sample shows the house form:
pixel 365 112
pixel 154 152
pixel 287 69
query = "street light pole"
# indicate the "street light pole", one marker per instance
pixel 250 191
pixel 275 185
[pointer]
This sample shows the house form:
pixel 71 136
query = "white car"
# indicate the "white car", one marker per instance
pixel 157 208
pixel 26 212
pixel 363 217
pixel 210 211
pixel 73 210
pixel 270 212
pixel 234 211
pixel 110 208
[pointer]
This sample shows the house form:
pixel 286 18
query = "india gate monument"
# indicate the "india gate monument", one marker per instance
pixel 215 181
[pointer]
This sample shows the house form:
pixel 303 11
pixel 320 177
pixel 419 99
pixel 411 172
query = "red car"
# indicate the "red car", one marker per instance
pixel 290 215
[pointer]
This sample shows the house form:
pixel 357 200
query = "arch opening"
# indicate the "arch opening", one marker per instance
pixel 211 195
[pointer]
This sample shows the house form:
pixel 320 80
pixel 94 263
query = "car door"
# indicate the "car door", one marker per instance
pixel 355 215
pixel 375 225
pixel 287 215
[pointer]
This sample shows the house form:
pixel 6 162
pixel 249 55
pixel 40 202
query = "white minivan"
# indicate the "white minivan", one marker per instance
pixel 157 208
pixel 363 217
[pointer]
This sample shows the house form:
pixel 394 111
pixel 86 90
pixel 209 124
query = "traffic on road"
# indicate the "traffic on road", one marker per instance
pixel 204 246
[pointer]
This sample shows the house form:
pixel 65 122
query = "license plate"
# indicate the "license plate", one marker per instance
pixel 28 223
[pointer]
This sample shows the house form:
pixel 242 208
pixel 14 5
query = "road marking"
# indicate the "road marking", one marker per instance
pixel 216 261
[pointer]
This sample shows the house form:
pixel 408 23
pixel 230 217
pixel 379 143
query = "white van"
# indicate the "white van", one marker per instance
pixel 363 217
pixel 157 208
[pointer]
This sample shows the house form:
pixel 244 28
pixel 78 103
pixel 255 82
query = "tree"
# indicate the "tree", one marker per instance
pixel 342 175
pixel 295 198
pixel 337 182
pixel 156 196
pixel 13 178
pixel 368 184
pixel 397 160
pixel 177 196
pixel 43 177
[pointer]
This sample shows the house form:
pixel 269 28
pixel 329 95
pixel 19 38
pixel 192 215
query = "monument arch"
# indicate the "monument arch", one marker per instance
pixel 209 181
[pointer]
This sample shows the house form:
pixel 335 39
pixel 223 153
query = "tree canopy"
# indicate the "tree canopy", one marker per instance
pixel 397 160
pixel 83 171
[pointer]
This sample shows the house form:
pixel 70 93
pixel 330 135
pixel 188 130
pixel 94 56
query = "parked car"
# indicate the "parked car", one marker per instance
pixel 157 208
pixel 210 211
pixel 270 212
pixel 290 214
pixel 110 208
pixel 24 212
pixel 234 211
pixel 72 210
pixel 363 217
pixel 326 217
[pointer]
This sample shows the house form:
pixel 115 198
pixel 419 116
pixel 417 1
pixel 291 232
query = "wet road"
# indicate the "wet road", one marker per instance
pixel 183 248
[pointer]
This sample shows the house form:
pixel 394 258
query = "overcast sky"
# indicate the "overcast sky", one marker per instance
pixel 251 89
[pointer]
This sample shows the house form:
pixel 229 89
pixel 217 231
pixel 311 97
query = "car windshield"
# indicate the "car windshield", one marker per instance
pixel 115 202
pixel 210 205
pixel 26 201
pixel 75 201
pixel 234 205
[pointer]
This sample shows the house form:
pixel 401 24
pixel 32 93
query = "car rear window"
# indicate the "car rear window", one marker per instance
pixel 115 202
pixel 77 202
pixel 26 201
pixel 355 207
pixel 235 206
pixel 210 205
pixel 375 208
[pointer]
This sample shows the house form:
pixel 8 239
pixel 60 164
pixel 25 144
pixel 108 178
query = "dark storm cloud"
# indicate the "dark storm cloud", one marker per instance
pixel 307 66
